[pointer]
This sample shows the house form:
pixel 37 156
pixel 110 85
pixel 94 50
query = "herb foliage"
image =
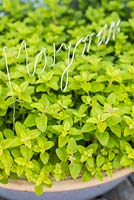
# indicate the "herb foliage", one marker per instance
pixel 87 129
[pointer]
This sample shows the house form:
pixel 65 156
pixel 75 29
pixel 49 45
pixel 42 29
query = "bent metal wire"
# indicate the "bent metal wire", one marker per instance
pixel 102 39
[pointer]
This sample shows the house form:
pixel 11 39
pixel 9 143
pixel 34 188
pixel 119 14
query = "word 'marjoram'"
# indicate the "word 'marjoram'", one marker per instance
pixel 103 37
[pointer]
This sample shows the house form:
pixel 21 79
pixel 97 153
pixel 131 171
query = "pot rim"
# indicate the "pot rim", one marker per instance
pixel 65 185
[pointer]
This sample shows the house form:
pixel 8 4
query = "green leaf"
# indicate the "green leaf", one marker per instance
pixel 113 120
pixel 125 161
pixel 20 170
pixel 100 160
pixel 90 163
pixel 86 99
pixel 75 169
pixel 26 97
pixel 66 125
pixel 78 137
pixel 7 161
pixel 20 161
pixel 62 141
pixel 15 152
pixel 81 149
pixel 11 142
pixel 88 127
pixel 128 120
pixel 86 154
pixel 26 152
pixel 44 157
pixel 23 86
pixel 75 131
pixel 101 126
pixel 30 120
pixel 1 136
pixel 49 145
pixel 41 123
pixel 97 87
pixel 83 158
pixel 124 145
pixel 38 189
pixel 72 146
pixel 16 88
pixel 27 143
pixel 102 78
pixel 39 106
pixel 62 153
pixel 103 138
pixel 58 128
pixel 31 134
pixel 8 133
pixel 112 142
pixel 116 129
pixel 111 156
pixel 53 83
pixel 109 173
pixel 58 172
pixel 128 131
pixel 111 98
pixel 99 176
pixel 20 130
pixel 93 120
pixel 132 165
pixel 86 86
pixel 86 176
pixel 116 162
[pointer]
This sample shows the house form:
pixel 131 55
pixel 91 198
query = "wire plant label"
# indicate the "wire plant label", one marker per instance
pixel 102 38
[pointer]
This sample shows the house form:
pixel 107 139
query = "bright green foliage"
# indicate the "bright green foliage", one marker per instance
pixel 41 123
pixel 87 130
pixel 75 169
